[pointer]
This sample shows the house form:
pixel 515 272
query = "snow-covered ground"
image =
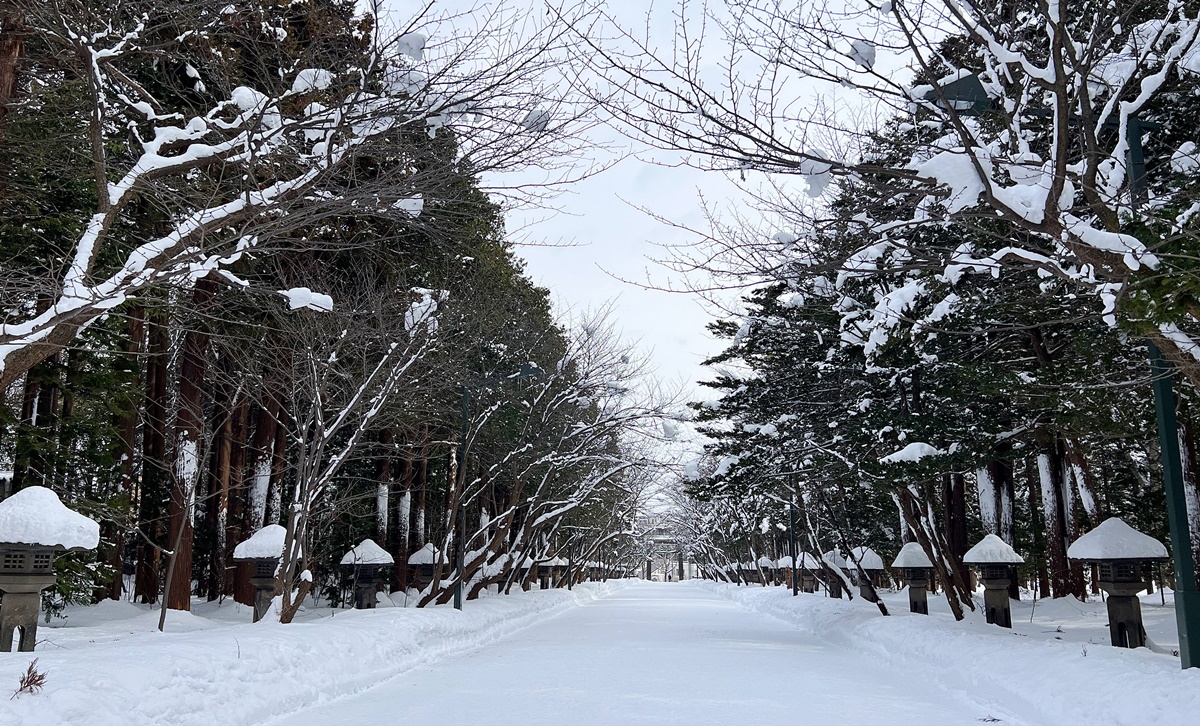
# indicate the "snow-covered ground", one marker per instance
pixel 108 664
pixel 1057 670
pixel 624 652
pixel 654 653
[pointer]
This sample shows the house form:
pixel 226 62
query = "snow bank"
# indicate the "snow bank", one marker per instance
pixel 251 673
pixel 1022 679
pixel 367 553
pixel 266 543
pixel 35 515
pixel 1113 539
pixel 992 550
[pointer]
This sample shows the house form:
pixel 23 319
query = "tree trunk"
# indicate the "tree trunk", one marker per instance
pixel 126 425
pixel 383 484
pixel 235 528
pixel 189 427
pixel 1191 478
pixel 153 488
pixel 1039 538
pixel 954 501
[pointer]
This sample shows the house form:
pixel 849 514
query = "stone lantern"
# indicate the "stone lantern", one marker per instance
pixel 1123 554
pixel 783 567
pixel 424 562
pixel 364 565
pixel 917 568
pixel 544 571
pixel 836 565
pixel 994 557
pixel 872 564
pixel 767 566
pixel 262 551
pixel 34 525
pixel 808 565
pixel 558 570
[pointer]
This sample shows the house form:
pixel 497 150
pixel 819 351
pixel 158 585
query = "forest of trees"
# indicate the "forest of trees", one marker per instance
pixel 252 275
pixel 951 269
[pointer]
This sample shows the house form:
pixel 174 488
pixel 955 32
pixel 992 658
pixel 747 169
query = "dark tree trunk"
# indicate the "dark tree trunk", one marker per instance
pixel 954 503
pixel 188 431
pixel 126 425
pixel 153 490
pixel 235 529
pixel 1039 535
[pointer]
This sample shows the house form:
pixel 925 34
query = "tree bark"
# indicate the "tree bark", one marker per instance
pixel 153 490
pixel 188 430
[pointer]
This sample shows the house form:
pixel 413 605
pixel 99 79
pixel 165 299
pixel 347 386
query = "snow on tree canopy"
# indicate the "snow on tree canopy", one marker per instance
pixel 834 559
pixel 1113 539
pixel 302 297
pixel 912 556
pixel 427 555
pixel 992 550
pixel 412 45
pixel 867 558
pixel 36 516
pixel 915 451
pixel 367 553
pixel 312 79
pixel 536 120
pixel 265 544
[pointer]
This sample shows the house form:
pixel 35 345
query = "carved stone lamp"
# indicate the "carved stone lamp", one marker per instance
pixel 994 557
pixel 1123 555
pixel 262 550
pixel 916 568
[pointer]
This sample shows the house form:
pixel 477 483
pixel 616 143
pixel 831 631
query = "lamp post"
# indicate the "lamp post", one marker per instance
pixel 966 96
pixel 527 370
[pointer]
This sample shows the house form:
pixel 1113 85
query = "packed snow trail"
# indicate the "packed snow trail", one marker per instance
pixel 652 653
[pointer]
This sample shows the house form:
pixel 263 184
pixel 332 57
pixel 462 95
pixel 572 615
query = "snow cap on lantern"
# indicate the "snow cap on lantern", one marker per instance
pixel 867 558
pixel 1113 539
pixel 36 516
pixel 991 550
pixel 912 557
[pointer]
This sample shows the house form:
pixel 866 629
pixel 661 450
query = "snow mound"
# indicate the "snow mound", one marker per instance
pixel 427 555
pixel 766 563
pixel 992 550
pixel 35 515
pixel 265 544
pixel 912 556
pixel 367 553
pixel 915 451
pixel 867 558
pixel 785 561
pixel 1113 539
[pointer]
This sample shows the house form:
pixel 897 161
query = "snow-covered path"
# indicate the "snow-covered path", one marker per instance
pixel 652 653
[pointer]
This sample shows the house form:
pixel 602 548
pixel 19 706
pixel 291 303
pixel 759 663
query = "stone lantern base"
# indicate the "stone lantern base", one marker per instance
pixel 808 582
pixel 1123 581
pixel 996 603
pixel 22 603
pixel 918 591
